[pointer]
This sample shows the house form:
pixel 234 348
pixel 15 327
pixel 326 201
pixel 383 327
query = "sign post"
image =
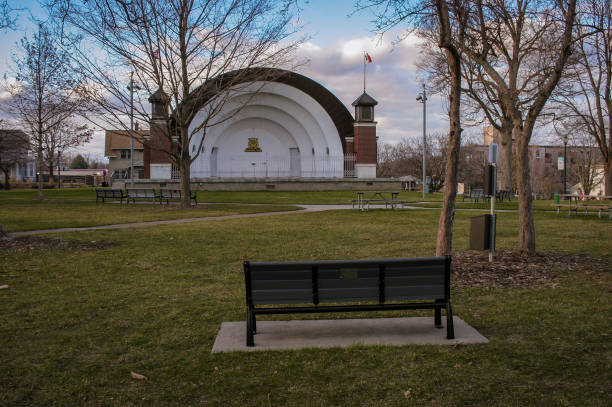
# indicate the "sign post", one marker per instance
pixel 492 188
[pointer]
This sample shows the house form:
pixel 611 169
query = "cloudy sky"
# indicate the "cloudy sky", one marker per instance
pixel 334 50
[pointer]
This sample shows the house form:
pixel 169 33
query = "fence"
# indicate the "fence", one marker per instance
pixel 277 167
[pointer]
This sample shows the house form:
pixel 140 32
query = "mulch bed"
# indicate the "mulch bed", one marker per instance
pixel 510 268
pixel 27 243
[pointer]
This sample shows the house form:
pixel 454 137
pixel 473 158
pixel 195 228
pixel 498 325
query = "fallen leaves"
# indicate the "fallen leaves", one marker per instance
pixel 510 268
pixel 26 243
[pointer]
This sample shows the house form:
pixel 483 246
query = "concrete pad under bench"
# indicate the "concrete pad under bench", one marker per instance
pixel 299 334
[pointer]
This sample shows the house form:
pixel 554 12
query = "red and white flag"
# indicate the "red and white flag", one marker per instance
pixel 368 58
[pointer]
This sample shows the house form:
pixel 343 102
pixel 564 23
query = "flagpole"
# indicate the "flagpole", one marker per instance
pixel 364 72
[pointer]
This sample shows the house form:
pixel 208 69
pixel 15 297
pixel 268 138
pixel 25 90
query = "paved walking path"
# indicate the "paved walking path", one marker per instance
pixel 305 208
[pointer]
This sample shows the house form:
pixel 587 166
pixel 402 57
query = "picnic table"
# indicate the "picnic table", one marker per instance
pixel 389 198
pixel 575 202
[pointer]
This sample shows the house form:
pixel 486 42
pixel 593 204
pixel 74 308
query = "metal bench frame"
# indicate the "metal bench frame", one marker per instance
pixel 280 294
pixel 141 193
pixel 175 194
pixel 110 194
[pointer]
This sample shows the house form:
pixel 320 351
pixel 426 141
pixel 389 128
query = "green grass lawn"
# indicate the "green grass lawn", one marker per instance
pixel 75 322
pixel 20 211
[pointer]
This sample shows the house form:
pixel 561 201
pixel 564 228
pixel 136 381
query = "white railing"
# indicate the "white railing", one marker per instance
pixel 278 167
pixel 175 172
pixel 349 165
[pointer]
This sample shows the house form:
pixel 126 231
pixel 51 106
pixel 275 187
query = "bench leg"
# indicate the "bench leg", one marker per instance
pixel 249 328
pixel 450 329
pixel 438 316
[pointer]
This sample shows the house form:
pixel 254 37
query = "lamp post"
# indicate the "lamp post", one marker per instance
pixel 131 88
pixel 565 140
pixel 422 98
pixel 59 168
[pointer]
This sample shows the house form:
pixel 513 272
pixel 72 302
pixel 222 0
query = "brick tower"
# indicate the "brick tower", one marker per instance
pixel 364 140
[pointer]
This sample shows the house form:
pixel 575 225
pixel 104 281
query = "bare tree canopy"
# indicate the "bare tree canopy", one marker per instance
pixel 45 96
pixel 8 16
pixel 173 48
pixel 583 101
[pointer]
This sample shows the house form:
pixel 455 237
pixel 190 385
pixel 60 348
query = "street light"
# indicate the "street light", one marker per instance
pixel 422 98
pixel 565 140
pixel 131 88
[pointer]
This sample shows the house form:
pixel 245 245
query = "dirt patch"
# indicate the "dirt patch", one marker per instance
pixel 510 268
pixel 26 243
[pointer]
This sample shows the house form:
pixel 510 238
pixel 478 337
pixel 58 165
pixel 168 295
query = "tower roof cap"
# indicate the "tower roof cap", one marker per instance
pixel 365 100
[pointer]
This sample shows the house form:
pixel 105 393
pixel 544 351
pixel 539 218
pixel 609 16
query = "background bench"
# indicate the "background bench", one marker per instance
pixel 474 195
pixel 348 281
pixel 141 193
pixel 175 195
pixel 110 194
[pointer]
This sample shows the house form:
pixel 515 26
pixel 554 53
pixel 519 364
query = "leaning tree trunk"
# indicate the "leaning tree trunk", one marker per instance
pixel 527 243
pixel 444 241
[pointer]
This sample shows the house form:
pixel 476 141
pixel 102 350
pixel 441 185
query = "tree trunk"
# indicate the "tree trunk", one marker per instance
pixel 185 183
pixel 527 242
pixel 51 177
pixel 39 164
pixel 608 177
pixel 505 159
pixel 7 184
pixel 444 241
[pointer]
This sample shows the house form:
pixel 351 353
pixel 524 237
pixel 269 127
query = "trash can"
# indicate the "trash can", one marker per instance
pixel 480 232
pixel 556 198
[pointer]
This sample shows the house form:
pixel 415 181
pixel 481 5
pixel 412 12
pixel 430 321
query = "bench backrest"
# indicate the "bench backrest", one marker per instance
pixel 110 193
pixel 347 280
pixel 141 193
pixel 170 193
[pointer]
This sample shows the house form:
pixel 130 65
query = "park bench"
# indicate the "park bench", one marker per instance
pixel 141 193
pixel 175 195
pixel 474 195
pixel 503 194
pixel 596 206
pixel 359 285
pixel 390 199
pixel 110 194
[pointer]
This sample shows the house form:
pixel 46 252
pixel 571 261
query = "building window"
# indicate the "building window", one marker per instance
pixel 125 153
pixel 548 158
pixel 537 154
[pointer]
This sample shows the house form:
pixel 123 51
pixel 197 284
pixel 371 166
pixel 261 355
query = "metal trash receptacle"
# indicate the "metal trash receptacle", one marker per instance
pixel 556 198
pixel 480 232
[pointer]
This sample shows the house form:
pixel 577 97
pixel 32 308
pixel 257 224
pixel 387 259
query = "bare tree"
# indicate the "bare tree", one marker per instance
pixel 585 159
pixel 8 16
pixel 195 56
pixel 45 95
pixel 65 135
pixel 520 50
pixel 441 15
pixel 13 150
pixel 479 101
pixel 584 98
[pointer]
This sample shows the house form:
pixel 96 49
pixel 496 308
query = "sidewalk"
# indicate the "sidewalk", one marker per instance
pixel 305 208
